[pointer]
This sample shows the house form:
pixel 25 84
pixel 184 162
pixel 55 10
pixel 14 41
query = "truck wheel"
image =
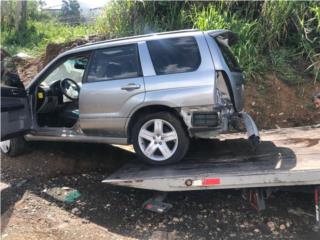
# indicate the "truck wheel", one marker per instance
pixel 159 138
pixel 14 147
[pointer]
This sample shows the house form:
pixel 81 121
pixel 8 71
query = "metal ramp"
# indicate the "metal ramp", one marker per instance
pixel 285 157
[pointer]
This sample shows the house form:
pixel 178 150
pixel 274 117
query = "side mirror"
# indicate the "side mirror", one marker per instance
pixel 79 65
pixel 12 80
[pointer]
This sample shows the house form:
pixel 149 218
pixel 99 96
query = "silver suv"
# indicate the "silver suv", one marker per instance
pixel 153 91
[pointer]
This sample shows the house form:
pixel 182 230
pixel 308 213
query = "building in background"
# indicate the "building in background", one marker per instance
pixel 52 10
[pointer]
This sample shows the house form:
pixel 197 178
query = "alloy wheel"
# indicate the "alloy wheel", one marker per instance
pixel 158 139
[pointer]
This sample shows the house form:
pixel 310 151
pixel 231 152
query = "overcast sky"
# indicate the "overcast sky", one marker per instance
pixel 84 4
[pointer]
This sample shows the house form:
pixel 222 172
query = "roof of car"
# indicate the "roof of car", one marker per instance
pixel 138 37
pixel 135 39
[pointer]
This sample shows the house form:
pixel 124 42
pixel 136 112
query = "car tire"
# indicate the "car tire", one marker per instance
pixel 156 147
pixel 14 146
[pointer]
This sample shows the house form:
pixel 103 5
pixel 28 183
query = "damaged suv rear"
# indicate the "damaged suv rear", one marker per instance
pixel 154 91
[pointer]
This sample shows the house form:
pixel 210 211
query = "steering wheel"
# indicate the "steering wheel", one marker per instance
pixel 70 88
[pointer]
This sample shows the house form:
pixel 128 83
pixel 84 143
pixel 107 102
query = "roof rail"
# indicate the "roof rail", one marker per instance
pixel 137 36
pixel 178 31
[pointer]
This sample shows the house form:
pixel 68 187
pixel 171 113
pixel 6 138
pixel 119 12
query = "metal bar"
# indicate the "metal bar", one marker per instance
pixel 251 180
pixel 316 204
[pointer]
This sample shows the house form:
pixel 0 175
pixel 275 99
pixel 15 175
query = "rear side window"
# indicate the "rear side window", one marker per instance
pixel 115 63
pixel 174 55
pixel 228 56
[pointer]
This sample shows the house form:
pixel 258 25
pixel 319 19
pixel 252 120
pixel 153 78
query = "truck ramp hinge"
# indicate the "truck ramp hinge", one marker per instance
pixel 256 197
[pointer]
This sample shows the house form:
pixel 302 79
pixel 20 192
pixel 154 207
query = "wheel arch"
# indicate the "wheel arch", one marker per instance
pixel 151 109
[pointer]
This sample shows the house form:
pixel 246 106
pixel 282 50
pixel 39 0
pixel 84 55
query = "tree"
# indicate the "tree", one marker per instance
pixel 70 11
pixel 21 20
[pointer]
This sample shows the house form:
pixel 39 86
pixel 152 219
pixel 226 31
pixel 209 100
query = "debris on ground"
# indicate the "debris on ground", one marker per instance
pixel 299 212
pixel 64 194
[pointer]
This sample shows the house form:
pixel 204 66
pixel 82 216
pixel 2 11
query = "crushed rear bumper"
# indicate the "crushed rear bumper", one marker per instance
pixel 251 127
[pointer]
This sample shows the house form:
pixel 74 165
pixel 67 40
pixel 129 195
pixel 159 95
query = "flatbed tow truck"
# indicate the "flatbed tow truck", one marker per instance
pixel 285 157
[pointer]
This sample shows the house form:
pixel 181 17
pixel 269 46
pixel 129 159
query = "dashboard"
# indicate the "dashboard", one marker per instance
pixel 49 98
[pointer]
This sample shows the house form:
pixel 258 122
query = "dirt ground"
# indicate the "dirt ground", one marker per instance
pixel 32 208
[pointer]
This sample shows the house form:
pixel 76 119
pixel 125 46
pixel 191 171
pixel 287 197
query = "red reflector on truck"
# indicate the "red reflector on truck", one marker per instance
pixel 202 182
pixel 210 181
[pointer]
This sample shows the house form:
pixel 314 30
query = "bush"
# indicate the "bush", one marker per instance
pixel 127 18
pixel 41 29
pixel 266 32
pixel 277 36
pixel 39 34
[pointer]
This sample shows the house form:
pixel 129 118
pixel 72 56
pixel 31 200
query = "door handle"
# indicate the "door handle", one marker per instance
pixel 15 92
pixel 131 86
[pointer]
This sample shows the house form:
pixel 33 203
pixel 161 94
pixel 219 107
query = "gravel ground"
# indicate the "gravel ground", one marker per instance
pixel 32 206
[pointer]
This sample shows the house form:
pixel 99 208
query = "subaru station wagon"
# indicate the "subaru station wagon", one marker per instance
pixel 154 91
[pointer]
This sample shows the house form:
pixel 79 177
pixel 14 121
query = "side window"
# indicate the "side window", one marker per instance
pixel 174 55
pixel 115 63
pixel 228 56
pixel 73 68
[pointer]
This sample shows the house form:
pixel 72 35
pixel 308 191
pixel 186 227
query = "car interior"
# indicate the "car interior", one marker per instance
pixel 114 63
pixel 56 97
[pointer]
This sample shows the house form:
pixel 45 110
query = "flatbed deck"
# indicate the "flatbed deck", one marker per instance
pixel 285 157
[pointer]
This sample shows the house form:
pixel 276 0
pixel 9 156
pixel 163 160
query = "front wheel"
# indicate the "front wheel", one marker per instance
pixel 159 138
pixel 14 147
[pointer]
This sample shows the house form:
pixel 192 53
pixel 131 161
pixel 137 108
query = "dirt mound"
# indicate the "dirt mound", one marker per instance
pixel 276 104
pixel 54 49
pixel 29 68
pixel 27 71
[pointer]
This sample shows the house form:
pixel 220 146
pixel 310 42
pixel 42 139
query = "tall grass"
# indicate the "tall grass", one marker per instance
pixel 273 35
pixel 245 50
pixel 40 34
pixel 279 36
pixel 126 18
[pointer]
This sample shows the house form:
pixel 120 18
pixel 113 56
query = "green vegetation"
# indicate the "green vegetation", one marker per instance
pixel 41 28
pixel 40 34
pixel 126 18
pixel 278 36
pixel 274 36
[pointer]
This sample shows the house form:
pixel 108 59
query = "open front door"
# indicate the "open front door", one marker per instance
pixel 15 112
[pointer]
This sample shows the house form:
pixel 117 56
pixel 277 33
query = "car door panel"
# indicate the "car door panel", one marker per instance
pixel 105 106
pixel 15 112
pixel 113 87
pixel 109 98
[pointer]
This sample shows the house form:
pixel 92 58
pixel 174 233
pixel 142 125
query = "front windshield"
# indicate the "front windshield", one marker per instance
pixel 72 68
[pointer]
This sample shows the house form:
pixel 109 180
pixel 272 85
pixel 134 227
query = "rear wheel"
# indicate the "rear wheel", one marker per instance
pixel 14 147
pixel 159 138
